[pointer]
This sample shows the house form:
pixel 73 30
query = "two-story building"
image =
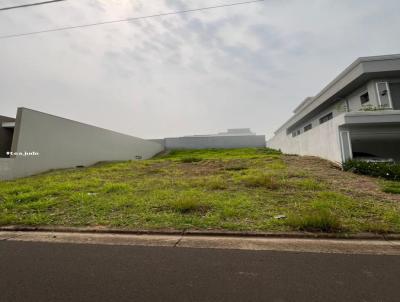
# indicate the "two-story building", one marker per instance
pixel 356 115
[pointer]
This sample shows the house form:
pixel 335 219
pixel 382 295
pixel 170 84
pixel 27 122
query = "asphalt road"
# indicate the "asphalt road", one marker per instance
pixel 31 271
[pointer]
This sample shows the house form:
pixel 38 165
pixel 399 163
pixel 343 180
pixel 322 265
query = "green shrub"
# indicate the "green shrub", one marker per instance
pixel 269 151
pixel 317 220
pixel 190 159
pixel 385 170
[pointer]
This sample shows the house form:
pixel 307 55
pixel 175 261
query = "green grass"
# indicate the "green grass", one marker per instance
pixel 190 159
pixel 316 221
pixel 241 189
pixel 262 180
pixel 116 188
pixel 243 153
pixel 391 187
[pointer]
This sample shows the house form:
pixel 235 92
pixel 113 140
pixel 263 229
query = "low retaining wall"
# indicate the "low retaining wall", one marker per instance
pixel 62 143
pixel 322 141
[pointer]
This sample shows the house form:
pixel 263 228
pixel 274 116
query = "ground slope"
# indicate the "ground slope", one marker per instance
pixel 242 189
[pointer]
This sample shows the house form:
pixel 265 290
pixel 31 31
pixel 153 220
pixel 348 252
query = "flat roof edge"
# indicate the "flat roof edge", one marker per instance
pixel 339 77
pixel 349 68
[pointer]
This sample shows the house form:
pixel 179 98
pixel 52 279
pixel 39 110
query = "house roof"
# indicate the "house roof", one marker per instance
pixel 355 75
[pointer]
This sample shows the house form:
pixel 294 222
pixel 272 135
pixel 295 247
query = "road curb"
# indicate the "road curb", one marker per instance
pixel 210 233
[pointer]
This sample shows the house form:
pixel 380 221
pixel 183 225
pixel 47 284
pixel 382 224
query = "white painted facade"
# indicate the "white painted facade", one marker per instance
pixel 324 125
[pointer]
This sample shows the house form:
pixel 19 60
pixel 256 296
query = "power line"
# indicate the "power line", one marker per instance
pixel 127 19
pixel 30 4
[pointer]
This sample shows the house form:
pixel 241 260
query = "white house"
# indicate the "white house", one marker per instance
pixel 357 114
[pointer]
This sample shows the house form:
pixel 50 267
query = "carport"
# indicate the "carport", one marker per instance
pixel 377 141
pixel 371 134
pixel 7 125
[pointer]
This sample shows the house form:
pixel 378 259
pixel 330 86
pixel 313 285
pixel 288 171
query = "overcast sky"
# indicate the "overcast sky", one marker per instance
pixel 245 66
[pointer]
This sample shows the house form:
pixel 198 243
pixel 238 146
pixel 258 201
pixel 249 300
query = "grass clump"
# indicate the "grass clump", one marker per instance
pixel 216 183
pixel 376 227
pixel 26 197
pixel 310 184
pixel 317 220
pixel 236 167
pixel 392 187
pixel 116 188
pixel 189 203
pixel 191 159
pixel 263 180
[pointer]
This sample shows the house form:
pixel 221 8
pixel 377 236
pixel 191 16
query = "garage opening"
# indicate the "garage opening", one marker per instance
pixel 395 94
pixel 6 136
pixel 376 144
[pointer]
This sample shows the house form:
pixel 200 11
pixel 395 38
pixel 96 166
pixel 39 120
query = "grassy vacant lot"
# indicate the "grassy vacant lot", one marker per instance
pixel 242 189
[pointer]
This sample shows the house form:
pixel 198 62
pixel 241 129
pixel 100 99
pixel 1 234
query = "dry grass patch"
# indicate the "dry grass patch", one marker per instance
pixel 358 186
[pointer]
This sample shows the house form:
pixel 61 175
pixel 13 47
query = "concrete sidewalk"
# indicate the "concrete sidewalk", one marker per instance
pixel 340 246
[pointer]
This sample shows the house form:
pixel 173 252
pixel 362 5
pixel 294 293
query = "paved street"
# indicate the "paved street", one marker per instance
pixel 34 271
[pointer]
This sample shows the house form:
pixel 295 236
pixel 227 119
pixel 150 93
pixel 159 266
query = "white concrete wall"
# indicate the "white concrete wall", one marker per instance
pixel 6 168
pixel 208 142
pixel 322 141
pixel 354 100
pixel 160 141
pixel 62 143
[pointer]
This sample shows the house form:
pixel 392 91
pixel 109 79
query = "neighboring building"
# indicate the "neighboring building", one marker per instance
pixel 233 138
pixel 357 114
pixel 40 142
pixel 6 134
pixel 237 132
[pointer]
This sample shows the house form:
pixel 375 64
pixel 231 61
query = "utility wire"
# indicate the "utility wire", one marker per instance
pixel 30 4
pixel 127 19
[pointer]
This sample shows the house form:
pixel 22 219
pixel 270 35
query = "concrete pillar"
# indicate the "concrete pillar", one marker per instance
pixel 345 145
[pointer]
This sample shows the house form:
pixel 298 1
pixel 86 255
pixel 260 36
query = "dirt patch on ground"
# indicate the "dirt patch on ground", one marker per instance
pixel 213 167
pixel 335 178
pixel 202 168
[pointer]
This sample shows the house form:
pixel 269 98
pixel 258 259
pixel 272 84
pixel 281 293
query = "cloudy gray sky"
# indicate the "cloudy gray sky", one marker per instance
pixel 203 72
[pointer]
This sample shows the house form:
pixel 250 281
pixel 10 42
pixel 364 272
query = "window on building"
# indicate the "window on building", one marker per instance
pixel 326 118
pixel 308 127
pixel 364 98
pixel 296 132
pixel 383 94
